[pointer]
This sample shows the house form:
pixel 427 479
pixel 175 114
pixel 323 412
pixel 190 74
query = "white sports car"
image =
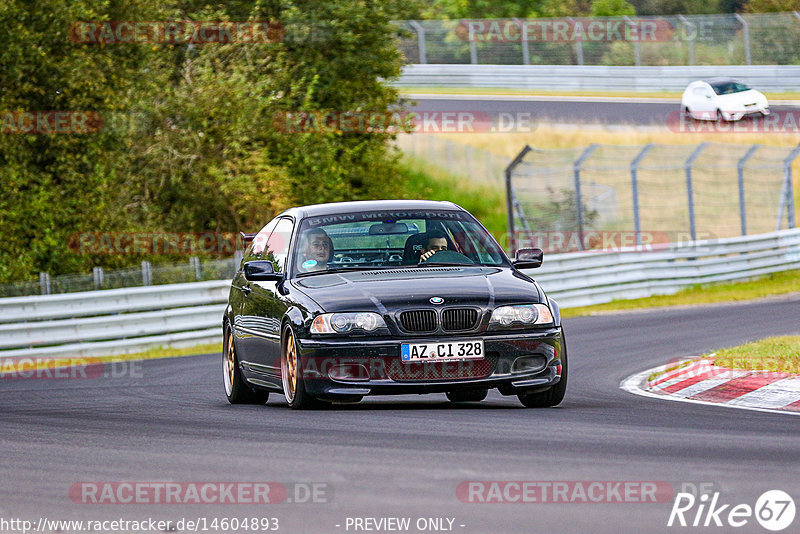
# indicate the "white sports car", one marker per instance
pixel 722 99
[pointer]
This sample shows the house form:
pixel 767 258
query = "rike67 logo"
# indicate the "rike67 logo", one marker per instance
pixel 774 510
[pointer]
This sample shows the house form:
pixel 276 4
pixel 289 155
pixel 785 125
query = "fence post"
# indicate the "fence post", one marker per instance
pixel 637 53
pixel 746 28
pixel 147 276
pixel 578 45
pixel 787 193
pixel 423 54
pixel 512 241
pixel 691 28
pixel 523 36
pixel 740 172
pixel 689 190
pixel 473 48
pixel 576 167
pixel 194 261
pixel 97 275
pixel 637 227
pixel 44 283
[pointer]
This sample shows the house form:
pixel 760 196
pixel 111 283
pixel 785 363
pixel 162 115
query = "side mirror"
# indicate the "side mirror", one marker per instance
pixel 528 258
pixel 261 271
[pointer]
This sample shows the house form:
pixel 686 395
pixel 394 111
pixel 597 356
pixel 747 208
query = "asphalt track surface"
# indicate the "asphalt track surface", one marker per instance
pixel 566 111
pixel 404 456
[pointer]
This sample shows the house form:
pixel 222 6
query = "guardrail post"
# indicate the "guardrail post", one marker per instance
pixel 238 256
pixel 691 33
pixel 578 198
pixel 423 54
pixel 637 53
pixel 147 274
pixel 689 190
pixel 787 192
pixel 746 29
pixel 97 276
pixel 740 172
pixel 512 240
pixel 635 191
pixel 44 283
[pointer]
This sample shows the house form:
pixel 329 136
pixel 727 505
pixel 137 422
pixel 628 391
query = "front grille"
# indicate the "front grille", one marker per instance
pixel 455 319
pixel 418 321
pixel 434 371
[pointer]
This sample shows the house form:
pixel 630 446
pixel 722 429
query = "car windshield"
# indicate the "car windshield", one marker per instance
pixel 392 239
pixel 727 88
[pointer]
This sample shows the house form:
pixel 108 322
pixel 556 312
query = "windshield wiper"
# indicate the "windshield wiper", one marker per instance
pixel 341 269
pixel 444 264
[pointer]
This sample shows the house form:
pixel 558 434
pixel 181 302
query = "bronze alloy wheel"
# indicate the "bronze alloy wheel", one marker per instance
pixel 229 365
pixel 237 389
pixel 289 368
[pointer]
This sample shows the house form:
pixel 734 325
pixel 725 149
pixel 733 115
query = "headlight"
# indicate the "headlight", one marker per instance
pixel 520 316
pixel 342 323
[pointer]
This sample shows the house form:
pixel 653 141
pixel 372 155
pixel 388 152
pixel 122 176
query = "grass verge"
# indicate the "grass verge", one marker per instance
pixel 763 286
pixel 486 203
pixel 777 354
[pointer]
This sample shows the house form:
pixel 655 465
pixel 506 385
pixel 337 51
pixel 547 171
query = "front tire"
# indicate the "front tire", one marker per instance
pixel 467 395
pixel 236 389
pixel 552 396
pixel 294 387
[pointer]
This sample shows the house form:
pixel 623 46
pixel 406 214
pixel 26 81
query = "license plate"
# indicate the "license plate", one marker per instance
pixel 438 352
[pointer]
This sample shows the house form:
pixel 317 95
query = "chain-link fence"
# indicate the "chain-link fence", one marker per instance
pixel 666 193
pixel 194 270
pixel 727 39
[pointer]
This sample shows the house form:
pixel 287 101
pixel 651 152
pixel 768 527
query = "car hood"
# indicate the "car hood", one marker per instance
pixel 395 289
pixel 740 99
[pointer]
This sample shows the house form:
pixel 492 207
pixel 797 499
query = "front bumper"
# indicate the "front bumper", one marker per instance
pixel 375 366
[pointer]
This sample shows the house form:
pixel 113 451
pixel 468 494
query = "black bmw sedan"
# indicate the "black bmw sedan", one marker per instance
pixel 336 301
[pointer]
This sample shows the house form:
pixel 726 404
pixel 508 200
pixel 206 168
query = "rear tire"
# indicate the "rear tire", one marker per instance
pixel 294 387
pixel 467 395
pixel 552 396
pixel 236 388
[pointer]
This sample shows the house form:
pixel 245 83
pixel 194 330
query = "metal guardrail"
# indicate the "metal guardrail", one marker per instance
pixel 112 321
pixel 770 78
pixel 586 278
pixel 133 319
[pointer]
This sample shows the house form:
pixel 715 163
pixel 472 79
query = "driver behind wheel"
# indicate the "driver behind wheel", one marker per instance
pixel 437 241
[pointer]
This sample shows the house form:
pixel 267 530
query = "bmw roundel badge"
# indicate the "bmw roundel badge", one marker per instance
pixel 437 300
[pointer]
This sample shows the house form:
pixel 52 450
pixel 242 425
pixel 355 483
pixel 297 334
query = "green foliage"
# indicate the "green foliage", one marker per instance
pixel 189 141
pixel 611 8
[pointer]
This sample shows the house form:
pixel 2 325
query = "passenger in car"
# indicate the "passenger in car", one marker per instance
pixel 316 252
